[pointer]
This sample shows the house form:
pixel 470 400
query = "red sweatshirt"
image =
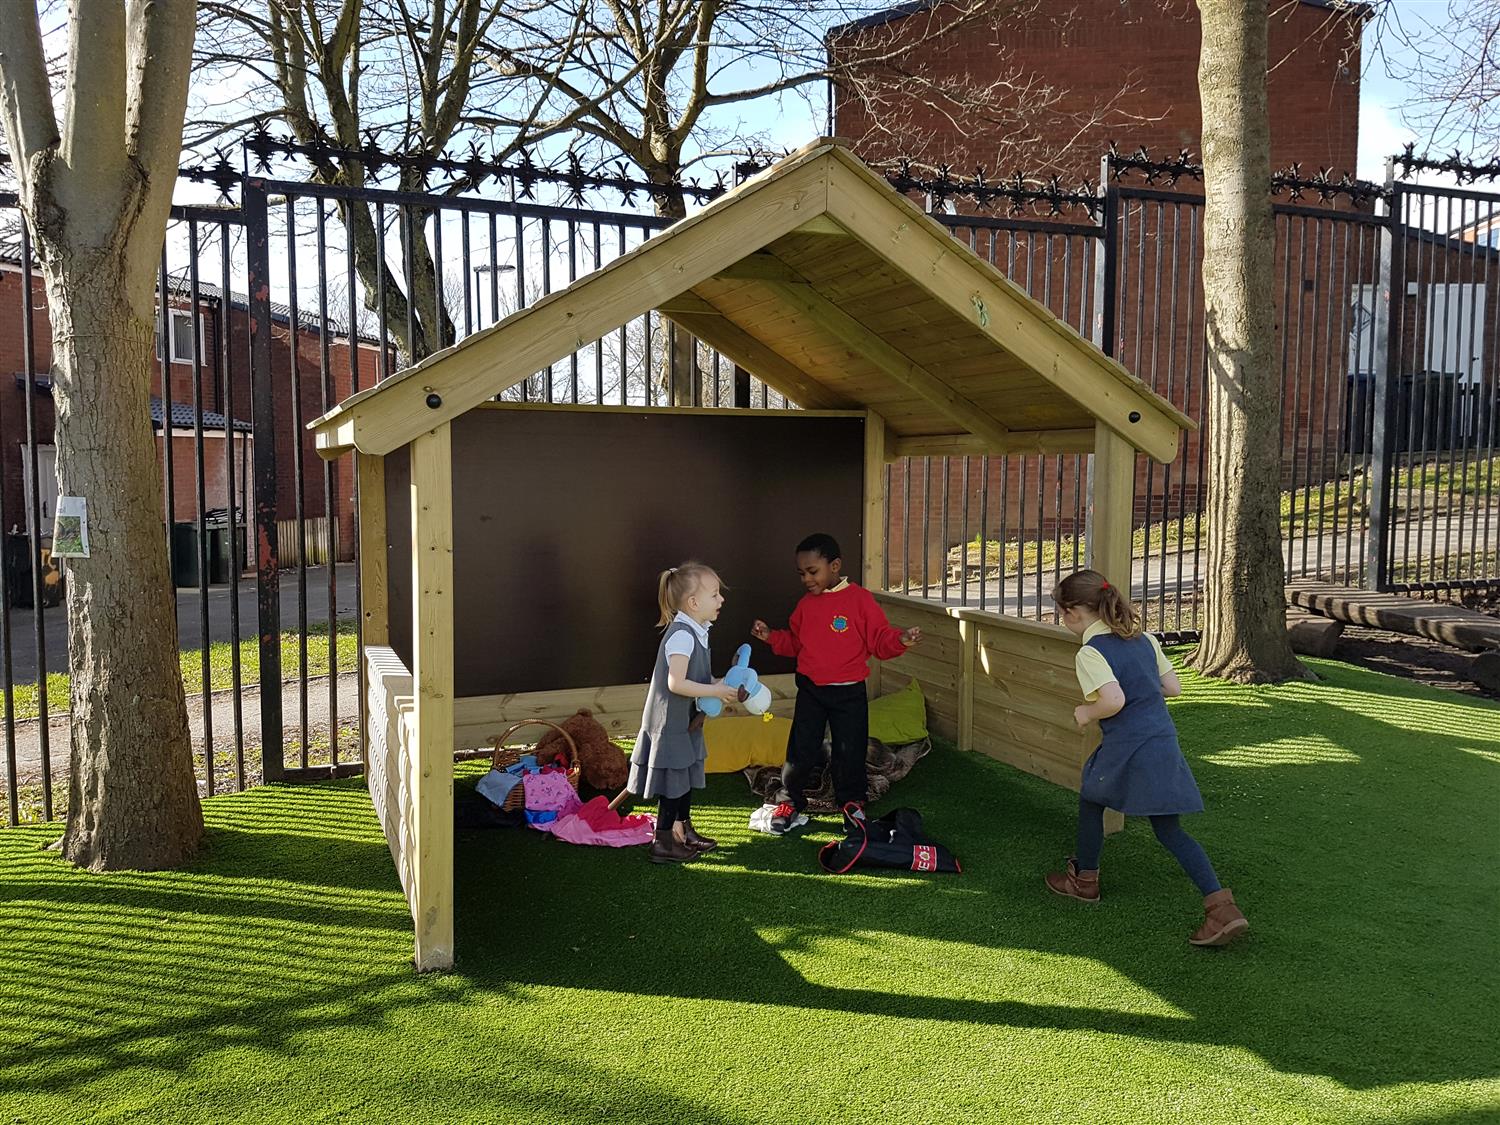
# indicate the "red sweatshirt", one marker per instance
pixel 834 634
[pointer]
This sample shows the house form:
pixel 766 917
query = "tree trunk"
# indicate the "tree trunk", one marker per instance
pixel 96 195
pixel 135 806
pixel 1244 621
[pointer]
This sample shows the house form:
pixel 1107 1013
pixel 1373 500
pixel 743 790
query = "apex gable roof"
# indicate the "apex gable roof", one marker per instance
pixel 835 290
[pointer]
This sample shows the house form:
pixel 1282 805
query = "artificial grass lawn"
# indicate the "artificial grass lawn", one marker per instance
pixel 1355 819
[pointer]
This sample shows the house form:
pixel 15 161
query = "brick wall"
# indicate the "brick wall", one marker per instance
pixel 1132 64
pixel 292 409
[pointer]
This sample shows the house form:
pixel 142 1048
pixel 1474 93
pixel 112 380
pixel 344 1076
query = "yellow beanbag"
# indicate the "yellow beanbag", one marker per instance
pixel 737 741
pixel 900 717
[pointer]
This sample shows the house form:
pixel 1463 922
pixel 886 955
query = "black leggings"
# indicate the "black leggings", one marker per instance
pixel 1169 833
pixel 672 809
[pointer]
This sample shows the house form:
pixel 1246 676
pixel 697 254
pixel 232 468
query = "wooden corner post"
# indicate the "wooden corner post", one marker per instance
pixel 872 553
pixel 1112 524
pixel 1112 507
pixel 432 682
pixel 374 596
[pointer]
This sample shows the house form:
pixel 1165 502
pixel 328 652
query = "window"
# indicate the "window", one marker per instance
pixel 181 321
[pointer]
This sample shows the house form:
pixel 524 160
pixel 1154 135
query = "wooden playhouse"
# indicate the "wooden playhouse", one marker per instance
pixel 508 552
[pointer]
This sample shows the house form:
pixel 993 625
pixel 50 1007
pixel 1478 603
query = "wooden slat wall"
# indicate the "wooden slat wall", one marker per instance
pixel 479 719
pixel 388 756
pixel 1017 702
pixel 937 663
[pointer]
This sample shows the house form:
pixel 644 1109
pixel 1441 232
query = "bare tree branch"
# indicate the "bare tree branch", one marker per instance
pixel 156 95
pixel 93 146
pixel 25 94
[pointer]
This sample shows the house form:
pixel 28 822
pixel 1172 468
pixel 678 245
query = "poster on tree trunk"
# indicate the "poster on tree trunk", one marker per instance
pixel 70 531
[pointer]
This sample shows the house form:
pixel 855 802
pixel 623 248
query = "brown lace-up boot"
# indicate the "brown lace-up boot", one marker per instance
pixel 1222 920
pixel 667 848
pixel 692 838
pixel 1082 885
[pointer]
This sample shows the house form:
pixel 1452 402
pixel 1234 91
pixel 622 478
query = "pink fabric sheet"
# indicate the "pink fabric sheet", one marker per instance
pixel 596 823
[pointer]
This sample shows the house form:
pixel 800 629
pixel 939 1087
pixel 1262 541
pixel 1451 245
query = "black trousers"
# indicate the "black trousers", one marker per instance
pixel 842 709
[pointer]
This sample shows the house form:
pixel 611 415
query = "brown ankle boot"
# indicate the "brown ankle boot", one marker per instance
pixel 667 848
pixel 1082 885
pixel 1222 920
pixel 691 837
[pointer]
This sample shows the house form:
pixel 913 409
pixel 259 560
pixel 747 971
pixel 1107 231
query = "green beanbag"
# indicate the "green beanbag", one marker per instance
pixel 900 717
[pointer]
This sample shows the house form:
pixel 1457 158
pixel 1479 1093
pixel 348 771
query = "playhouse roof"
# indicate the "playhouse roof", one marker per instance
pixel 835 290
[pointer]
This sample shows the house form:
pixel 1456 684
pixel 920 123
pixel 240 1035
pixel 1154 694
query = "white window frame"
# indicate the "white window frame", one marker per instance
pixel 173 316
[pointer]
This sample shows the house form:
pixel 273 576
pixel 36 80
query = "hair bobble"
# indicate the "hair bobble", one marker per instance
pixel 1104 585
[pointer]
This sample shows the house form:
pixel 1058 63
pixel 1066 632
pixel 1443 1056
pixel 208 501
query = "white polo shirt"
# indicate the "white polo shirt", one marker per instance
pixel 680 643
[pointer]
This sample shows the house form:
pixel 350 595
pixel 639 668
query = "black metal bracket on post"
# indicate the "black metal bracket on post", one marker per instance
pixel 1383 435
pixel 263 420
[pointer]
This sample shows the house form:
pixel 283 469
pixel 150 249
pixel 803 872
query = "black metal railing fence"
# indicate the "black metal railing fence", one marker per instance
pixel 277 305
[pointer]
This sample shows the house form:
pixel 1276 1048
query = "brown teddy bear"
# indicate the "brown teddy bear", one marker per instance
pixel 603 765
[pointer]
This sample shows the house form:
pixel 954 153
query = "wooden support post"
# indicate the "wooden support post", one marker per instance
pixel 432 679
pixel 1112 507
pixel 374 595
pixel 872 552
pixel 373 592
pixel 1112 511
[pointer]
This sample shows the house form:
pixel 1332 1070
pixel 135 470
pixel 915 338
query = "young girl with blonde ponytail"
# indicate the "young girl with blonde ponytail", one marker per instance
pixel 1138 768
pixel 669 751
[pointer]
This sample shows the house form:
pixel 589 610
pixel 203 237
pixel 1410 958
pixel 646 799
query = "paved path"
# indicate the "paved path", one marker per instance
pixel 1425 539
pixel 23 647
pixel 221 707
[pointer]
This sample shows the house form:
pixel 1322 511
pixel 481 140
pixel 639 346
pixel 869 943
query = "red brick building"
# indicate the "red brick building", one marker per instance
pixel 1107 70
pixel 1123 71
pixel 226 406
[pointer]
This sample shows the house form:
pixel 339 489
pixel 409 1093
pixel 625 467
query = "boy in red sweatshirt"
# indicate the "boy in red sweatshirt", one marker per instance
pixel 833 632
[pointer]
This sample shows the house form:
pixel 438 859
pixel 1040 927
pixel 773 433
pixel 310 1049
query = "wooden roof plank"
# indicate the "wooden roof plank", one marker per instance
pixel 486 363
pixel 971 445
pixel 892 227
pixel 894 364
pixel 732 341
pixel 767 275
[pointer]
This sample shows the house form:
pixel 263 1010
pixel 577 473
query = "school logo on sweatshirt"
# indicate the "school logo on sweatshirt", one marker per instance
pixel 840 624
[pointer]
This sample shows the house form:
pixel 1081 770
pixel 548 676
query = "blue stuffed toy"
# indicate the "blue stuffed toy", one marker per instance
pixel 753 694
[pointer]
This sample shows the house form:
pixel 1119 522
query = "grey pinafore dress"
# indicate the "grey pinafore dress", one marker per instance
pixel 668 758
pixel 1138 769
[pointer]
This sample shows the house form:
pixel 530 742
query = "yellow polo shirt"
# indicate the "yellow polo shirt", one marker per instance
pixel 1094 671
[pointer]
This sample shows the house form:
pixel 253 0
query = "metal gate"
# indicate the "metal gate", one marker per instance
pixel 1388 333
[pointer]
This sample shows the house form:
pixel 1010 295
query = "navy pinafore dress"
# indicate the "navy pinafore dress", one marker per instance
pixel 669 759
pixel 1138 769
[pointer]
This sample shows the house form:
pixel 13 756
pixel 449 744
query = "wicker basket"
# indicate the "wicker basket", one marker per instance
pixel 504 756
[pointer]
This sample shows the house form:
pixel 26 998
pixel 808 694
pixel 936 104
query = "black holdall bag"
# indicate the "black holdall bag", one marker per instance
pixel 895 840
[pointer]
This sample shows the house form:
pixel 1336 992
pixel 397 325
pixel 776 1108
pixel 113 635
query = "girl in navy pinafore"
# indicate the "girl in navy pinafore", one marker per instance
pixel 669 752
pixel 1138 768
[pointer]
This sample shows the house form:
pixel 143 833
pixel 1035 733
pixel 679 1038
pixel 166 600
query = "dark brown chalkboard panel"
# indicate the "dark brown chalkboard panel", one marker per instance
pixel 564 518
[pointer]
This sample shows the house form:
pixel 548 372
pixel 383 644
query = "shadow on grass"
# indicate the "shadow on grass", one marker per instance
pixel 1354 817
